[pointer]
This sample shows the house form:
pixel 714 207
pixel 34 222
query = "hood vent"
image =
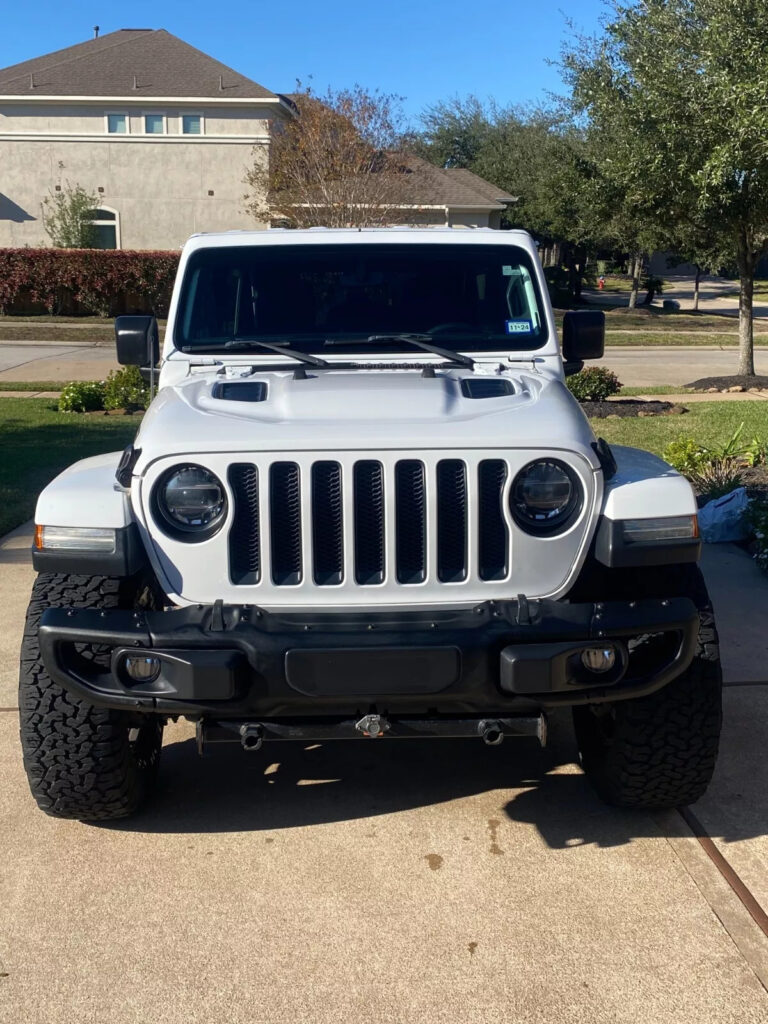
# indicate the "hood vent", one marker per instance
pixel 486 387
pixel 240 391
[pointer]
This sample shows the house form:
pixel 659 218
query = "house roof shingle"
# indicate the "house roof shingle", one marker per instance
pixel 142 62
pixel 429 185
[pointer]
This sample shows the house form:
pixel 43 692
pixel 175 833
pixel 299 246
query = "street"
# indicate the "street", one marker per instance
pixel 635 366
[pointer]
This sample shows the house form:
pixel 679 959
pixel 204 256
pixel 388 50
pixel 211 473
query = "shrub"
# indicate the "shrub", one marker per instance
pixel 715 469
pixel 757 517
pixel 82 396
pixel 101 281
pixel 594 384
pixel 68 217
pixel 686 454
pixel 126 389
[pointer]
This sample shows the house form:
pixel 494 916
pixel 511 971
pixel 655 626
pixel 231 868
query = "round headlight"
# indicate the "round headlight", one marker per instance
pixel 191 500
pixel 545 497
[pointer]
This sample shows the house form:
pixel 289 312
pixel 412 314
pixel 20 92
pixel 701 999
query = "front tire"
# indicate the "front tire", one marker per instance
pixel 83 762
pixel 660 751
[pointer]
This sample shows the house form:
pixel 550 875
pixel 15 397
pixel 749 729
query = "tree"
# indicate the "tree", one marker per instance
pixel 68 216
pixel 338 163
pixel 537 155
pixel 680 90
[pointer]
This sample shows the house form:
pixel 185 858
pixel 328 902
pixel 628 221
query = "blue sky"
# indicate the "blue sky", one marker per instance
pixel 424 51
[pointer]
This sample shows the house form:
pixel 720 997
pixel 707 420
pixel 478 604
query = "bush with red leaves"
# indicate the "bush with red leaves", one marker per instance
pixel 95 282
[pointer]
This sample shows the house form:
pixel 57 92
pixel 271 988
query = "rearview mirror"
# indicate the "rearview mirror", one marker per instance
pixel 138 340
pixel 583 335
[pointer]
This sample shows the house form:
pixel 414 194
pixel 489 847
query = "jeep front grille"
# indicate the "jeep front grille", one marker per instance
pixel 329 523
pixel 358 529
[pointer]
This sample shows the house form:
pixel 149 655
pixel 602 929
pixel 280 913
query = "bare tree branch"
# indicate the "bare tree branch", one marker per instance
pixel 340 163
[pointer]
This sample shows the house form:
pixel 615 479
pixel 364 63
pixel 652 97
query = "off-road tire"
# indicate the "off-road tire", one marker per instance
pixel 660 751
pixel 83 762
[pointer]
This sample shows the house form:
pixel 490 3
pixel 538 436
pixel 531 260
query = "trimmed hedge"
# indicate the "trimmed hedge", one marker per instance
pixel 96 282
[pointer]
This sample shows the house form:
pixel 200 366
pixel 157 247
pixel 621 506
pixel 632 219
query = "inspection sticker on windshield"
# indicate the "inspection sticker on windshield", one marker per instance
pixel 519 326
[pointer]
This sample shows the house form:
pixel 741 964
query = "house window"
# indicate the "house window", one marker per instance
pixel 154 124
pixel 191 124
pixel 117 124
pixel 106 227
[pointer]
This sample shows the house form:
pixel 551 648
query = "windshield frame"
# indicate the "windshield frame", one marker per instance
pixel 355 344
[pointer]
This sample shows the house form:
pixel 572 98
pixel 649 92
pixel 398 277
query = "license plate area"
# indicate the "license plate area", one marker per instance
pixel 372 671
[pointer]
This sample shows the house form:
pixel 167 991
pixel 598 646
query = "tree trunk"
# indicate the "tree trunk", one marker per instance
pixel 696 283
pixel 746 264
pixel 637 266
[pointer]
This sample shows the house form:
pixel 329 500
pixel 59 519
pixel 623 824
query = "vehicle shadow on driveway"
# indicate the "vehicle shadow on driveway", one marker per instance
pixel 288 785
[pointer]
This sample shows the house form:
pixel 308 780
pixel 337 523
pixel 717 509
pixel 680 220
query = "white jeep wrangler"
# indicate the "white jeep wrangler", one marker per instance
pixel 364 505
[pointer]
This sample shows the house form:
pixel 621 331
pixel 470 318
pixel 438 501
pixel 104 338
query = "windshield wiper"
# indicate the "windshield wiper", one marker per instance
pixel 422 341
pixel 283 349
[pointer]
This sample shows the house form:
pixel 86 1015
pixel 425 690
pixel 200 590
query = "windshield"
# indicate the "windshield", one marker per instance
pixel 470 298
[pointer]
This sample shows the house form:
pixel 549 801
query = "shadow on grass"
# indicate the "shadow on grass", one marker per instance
pixel 37 443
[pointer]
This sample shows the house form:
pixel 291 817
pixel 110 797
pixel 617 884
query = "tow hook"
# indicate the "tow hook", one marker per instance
pixel 491 732
pixel 372 726
pixel 251 736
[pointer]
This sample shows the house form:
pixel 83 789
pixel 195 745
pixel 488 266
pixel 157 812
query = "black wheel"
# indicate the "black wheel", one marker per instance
pixel 82 762
pixel 660 751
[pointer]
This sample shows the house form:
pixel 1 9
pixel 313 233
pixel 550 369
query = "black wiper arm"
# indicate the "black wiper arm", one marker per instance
pixel 283 349
pixel 424 341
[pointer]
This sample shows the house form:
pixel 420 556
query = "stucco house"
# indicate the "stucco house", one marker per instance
pixel 159 131
pixel 163 134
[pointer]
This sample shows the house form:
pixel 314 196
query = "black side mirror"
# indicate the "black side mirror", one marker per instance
pixel 583 335
pixel 138 340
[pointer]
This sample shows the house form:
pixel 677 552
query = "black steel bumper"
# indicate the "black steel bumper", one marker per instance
pixel 241 662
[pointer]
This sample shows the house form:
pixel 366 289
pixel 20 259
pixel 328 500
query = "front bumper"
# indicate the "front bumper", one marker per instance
pixel 238 662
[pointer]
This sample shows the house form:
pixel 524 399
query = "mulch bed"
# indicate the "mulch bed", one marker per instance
pixel 625 407
pixel 730 381
pixel 756 482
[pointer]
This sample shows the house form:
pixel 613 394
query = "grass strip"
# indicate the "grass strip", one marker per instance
pixel 31 385
pixel 37 442
pixel 709 422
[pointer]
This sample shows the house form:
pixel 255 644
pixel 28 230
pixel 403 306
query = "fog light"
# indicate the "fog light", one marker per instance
pixel 142 670
pixel 598 659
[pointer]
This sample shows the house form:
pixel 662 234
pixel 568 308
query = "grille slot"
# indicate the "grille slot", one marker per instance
pixel 493 537
pixel 285 523
pixel 451 521
pixel 244 550
pixel 368 481
pixel 327 535
pixel 324 523
pixel 410 517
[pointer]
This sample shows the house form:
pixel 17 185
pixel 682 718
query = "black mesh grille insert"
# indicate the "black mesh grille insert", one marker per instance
pixel 493 534
pixel 327 536
pixel 244 550
pixel 285 523
pixel 451 521
pixel 410 510
pixel 369 522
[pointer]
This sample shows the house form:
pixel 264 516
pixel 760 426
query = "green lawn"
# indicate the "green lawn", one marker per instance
pixel 36 443
pixel 31 385
pixel 653 389
pixel 655 337
pixel 706 421
pixel 91 330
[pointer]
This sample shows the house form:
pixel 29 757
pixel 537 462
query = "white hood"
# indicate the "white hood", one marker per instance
pixel 365 410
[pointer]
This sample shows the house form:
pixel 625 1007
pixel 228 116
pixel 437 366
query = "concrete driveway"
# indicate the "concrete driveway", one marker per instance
pixel 443 882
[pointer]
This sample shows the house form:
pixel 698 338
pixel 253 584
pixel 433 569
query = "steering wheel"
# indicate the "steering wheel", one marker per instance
pixel 438 328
